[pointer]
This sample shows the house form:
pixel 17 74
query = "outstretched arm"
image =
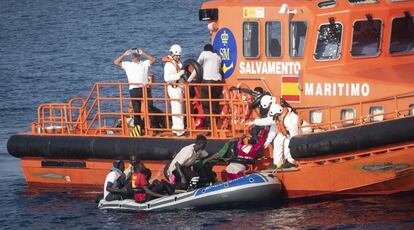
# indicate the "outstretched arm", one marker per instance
pixel 119 59
pixel 261 141
pixel 149 192
pixel 112 189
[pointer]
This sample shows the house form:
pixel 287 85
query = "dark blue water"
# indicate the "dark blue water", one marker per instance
pixel 51 51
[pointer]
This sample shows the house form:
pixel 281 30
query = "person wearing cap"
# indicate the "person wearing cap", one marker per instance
pixel 172 75
pixel 137 73
pixel 114 186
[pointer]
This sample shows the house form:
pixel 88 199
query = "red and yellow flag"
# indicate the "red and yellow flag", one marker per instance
pixel 290 88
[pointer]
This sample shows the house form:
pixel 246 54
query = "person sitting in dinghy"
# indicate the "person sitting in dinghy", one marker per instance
pixel 143 190
pixel 114 187
pixel 179 170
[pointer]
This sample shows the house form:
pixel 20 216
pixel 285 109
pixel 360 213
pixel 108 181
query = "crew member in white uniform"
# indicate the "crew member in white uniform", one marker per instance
pixel 284 127
pixel 211 63
pixel 281 143
pixel 172 74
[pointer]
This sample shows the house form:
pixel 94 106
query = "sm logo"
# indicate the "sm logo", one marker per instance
pixel 225 44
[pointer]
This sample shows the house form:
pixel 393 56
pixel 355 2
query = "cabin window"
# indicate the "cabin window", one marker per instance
pixel 316 117
pixel 411 109
pixel 348 116
pixel 362 1
pixel 251 39
pixel 326 4
pixel 328 46
pixel 273 39
pixel 366 38
pixel 297 37
pixel 374 110
pixel 402 35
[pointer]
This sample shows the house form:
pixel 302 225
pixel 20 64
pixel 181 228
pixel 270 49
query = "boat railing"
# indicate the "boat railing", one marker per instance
pixel 107 111
pixel 354 114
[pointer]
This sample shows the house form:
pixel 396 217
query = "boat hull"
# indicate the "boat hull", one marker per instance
pixel 250 188
pixel 375 172
pixel 378 171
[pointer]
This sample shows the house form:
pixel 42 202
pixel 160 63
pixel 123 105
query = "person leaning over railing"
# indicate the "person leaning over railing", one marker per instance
pixel 137 72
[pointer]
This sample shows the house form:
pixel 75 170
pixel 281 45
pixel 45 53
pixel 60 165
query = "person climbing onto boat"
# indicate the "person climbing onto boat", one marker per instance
pixel 246 154
pixel 179 170
pixel 172 75
pixel 143 190
pixel 137 72
pixel 114 186
pixel 211 63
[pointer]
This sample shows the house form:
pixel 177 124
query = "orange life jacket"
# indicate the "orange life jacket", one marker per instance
pixel 168 58
pixel 280 122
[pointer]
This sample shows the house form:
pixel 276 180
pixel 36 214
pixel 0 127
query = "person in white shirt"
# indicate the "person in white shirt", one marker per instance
pixel 179 167
pixel 211 63
pixel 114 188
pixel 172 75
pixel 137 72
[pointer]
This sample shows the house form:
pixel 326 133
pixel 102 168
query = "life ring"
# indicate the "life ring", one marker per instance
pixel 191 65
pixel 242 110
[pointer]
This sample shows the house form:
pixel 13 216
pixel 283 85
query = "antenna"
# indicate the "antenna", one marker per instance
pixel 284 9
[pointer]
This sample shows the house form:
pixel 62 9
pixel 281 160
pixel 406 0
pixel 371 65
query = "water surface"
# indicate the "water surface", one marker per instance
pixel 51 51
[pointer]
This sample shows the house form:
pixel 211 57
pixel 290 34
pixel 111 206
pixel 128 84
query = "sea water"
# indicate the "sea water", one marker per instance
pixel 51 51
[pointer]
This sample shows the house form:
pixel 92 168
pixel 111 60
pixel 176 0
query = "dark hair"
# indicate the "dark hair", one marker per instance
pixel 258 89
pixel 139 163
pixel 200 138
pixel 208 47
pixel 147 173
pixel 117 163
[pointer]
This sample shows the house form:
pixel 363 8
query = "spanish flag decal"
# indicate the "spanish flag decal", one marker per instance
pixel 290 88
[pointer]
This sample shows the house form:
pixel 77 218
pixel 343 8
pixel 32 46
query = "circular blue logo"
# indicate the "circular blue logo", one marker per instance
pixel 225 44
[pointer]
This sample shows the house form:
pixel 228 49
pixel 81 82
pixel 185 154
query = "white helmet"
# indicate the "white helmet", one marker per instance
pixel 265 101
pixel 175 50
pixel 275 109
